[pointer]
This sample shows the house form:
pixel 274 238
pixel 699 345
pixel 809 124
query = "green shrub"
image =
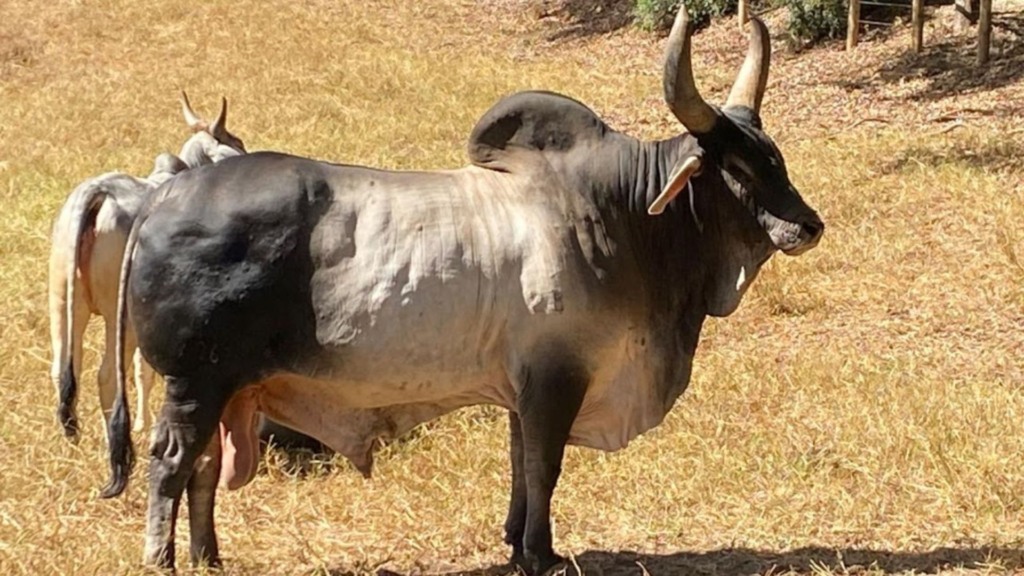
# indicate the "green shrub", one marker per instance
pixel 813 20
pixel 658 14
pixel 809 20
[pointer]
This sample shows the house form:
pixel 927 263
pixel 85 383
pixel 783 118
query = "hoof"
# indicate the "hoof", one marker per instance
pixel 518 560
pixel 69 422
pixel 205 562
pixel 160 559
pixel 542 564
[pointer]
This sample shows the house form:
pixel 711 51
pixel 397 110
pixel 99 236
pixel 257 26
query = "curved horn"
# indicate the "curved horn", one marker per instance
pixel 219 126
pixel 681 93
pixel 191 118
pixel 748 90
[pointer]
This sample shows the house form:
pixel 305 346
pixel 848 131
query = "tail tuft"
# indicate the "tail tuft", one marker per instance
pixel 66 407
pixel 122 454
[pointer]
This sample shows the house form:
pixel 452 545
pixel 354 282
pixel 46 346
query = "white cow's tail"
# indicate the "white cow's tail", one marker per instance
pixel 85 206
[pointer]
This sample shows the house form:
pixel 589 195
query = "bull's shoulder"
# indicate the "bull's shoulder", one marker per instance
pixel 532 121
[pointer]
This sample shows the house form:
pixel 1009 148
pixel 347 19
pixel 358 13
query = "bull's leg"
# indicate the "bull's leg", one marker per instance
pixel 183 431
pixel 515 522
pixel 144 379
pixel 549 399
pixel 202 488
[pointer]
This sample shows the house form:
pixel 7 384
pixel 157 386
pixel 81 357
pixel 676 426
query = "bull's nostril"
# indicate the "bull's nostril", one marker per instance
pixel 813 229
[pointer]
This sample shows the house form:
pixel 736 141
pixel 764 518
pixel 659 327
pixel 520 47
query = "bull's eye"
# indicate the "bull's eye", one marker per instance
pixel 740 185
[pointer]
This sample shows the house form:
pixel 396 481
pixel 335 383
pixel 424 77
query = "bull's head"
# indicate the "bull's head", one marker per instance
pixel 209 142
pixel 764 211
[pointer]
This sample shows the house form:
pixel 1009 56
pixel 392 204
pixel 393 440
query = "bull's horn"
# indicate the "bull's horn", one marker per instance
pixel 748 90
pixel 681 93
pixel 219 126
pixel 191 118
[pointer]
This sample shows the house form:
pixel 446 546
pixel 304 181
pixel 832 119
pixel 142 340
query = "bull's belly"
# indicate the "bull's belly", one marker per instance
pixel 393 383
pixel 349 415
pixel 626 396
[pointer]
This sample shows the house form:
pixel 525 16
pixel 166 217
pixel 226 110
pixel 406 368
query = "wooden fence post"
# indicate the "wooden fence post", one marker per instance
pixel 917 23
pixel 853 24
pixel 984 31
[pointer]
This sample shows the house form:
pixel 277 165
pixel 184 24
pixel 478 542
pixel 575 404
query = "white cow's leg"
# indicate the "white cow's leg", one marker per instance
pixel 183 431
pixel 145 377
pixel 202 488
pixel 550 393
pixel 58 333
pixel 107 376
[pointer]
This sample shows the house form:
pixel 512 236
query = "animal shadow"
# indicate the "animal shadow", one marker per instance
pixel 584 18
pixel 744 561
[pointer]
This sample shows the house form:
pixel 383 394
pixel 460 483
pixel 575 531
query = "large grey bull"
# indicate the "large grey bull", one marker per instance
pixel 86 250
pixel 351 303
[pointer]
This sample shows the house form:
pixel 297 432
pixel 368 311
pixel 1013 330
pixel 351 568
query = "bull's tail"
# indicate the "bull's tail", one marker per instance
pixel 122 453
pixel 85 206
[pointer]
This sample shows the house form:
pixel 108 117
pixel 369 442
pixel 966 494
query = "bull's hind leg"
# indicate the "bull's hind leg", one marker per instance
pixel 182 433
pixel 202 489
pixel 550 393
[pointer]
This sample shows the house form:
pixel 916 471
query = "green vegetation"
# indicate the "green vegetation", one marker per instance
pixel 812 20
pixel 809 20
pixel 658 14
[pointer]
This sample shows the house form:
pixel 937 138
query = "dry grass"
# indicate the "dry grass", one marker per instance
pixel 862 411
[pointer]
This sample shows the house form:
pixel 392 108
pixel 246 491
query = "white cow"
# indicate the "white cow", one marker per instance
pixel 88 241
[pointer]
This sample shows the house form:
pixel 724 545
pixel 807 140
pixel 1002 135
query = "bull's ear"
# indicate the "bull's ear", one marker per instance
pixel 680 176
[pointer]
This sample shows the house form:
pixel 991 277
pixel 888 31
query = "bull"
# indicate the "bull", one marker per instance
pixel 564 275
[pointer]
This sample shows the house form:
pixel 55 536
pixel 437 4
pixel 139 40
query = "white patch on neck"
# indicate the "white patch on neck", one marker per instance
pixel 741 279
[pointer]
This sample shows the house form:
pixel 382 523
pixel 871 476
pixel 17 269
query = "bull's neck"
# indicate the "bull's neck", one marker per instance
pixel 646 170
pixel 641 171
pixel 664 250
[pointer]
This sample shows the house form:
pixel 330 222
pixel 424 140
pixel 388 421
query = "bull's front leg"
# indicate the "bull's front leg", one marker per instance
pixel 549 397
pixel 182 432
pixel 515 522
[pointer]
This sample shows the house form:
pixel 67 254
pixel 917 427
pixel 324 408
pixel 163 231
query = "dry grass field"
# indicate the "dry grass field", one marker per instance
pixel 863 411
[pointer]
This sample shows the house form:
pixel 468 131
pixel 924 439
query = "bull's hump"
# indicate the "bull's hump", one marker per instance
pixel 532 121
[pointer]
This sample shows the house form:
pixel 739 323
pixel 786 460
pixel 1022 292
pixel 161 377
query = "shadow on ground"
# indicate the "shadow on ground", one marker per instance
pixel 990 156
pixel 584 18
pixel 742 561
pixel 948 66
